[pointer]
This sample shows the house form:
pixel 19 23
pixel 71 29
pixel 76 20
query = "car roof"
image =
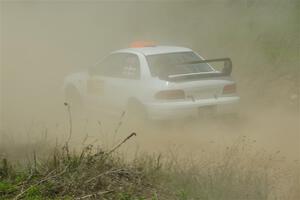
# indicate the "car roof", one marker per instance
pixel 154 50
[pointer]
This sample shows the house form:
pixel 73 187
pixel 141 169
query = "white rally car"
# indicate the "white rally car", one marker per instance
pixel 162 82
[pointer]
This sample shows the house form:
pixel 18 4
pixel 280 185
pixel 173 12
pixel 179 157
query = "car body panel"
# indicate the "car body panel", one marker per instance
pixel 112 95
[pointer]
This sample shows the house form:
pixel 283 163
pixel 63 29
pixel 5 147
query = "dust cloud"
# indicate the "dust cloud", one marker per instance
pixel 42 42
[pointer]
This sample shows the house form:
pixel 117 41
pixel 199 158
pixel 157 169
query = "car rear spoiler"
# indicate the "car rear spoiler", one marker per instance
pixel 226 71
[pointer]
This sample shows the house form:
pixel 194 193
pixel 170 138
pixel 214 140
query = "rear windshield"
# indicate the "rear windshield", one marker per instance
pixel 162 65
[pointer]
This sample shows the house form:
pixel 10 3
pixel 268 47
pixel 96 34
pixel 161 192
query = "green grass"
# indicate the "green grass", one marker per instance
pixel 236 174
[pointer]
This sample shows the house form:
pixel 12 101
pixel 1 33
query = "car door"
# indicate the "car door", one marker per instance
pixel 97 89
pixel 112 82
pixel 123 83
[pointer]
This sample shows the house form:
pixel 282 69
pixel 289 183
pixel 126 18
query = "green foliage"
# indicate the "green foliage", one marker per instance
pixel 20 177
pixel 154 197
pixel 34 193
pixel 128 196
pixel 6 187
pixel 182 195
pixel 125 196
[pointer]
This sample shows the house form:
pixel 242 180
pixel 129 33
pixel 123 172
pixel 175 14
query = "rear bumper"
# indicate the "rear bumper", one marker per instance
pixel 185 109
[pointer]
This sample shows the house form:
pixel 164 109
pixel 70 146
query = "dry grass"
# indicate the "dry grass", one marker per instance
pixel 93 173
pixel 59 172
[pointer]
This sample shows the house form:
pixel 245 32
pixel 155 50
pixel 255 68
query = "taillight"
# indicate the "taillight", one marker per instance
pixel 170 94
pixel 229 89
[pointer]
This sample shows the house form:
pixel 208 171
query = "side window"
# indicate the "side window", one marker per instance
pixel 119 65
pixel 110 66
pixel 130 66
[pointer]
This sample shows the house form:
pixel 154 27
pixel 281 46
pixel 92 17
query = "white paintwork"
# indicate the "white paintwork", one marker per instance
pixel 156 50
pixel 117 92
